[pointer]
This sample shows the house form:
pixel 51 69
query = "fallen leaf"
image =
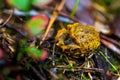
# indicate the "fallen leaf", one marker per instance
pixel 103 28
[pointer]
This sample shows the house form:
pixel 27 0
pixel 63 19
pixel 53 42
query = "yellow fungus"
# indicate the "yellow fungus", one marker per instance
pixel 78 40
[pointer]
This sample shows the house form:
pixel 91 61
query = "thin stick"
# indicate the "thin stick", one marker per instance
pixel 110 39
pixel 53 18
pixel 8 19
pixel 35 71
pixel 111 46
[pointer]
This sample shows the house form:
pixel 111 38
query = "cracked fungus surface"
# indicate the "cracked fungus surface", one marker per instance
pixel 78 40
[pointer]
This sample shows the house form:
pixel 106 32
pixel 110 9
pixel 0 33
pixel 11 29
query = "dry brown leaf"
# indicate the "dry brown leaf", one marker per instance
pixel 100 27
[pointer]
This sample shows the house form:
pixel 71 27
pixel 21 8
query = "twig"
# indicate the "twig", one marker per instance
pixel 60 13
pixel 90 70
pixel 111 46
pixel 53 54
pixel 82 69
pixel 13 28
pixel 68 16
pixel 88 58
pixel 55 77
pixel 110 39
pixel 37 73
pixel 8 19
pixel 53 18
pixel 90 76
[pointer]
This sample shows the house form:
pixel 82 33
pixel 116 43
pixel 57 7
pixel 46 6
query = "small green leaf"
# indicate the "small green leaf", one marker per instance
pixel 34 52
pixel 23 5
pixel 37 24
pixel 34 26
